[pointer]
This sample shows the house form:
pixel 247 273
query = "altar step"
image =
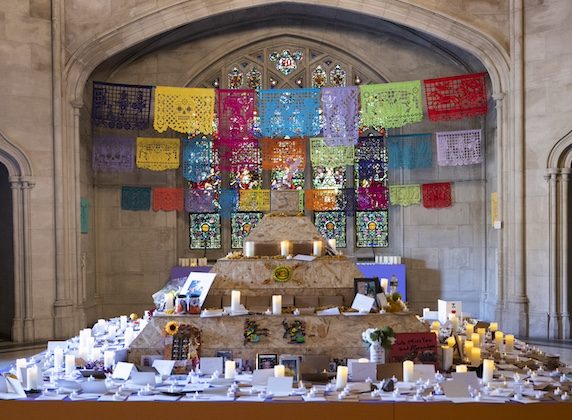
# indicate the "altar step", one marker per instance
pixel 10 350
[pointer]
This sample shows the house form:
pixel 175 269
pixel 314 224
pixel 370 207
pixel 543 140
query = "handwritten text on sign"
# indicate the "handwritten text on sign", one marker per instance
pixel 418 347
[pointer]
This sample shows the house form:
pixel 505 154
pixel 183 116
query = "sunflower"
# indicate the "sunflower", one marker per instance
pixel 172 327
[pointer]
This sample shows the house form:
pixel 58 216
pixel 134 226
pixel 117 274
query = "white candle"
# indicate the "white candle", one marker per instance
pixel 279 371
pixel 229 369
pixel 425 310
pixel 276 304
pixel 70 364
pixel 332 243
pixel 249 249
pixel 475 356
pixel 235 301
pixel 482 333
pixel 341 377
pixel 447 359
pixel 123 322
pixel 468 346
pixel 58 359
pixel 385 285
pixel 499 337
pixel 509 343
pixel 408 368
pixel 488 369
pixel 20 365
pixel 461 368
pixel 32 377
pixel 317 248
pixel 108 359
pixel 494 326
pixel 476 339
pixel 203 262
pixel 285 248
pixel 469 329
pixel 128 336
pixel 112 331
pixel 96 354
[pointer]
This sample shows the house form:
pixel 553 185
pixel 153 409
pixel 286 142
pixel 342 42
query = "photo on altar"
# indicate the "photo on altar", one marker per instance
pixel 266 361
pixel 291 366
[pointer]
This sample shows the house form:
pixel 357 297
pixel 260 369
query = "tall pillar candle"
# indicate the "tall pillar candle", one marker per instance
pixel 493 326
pixel 279 371
pixel 488 369
pixel 341 377
pixel 482 335
pixel 468 346
pixel 20 368
pixel 276 304
pixel 408 368
pixel 499 338
pixel 32 381
pixel 229 369
pixel 317 248
pixel 469 330
pixel 508 343
pixel 58 359
pixel 475 356
pixel 425 310
pixel 447 360
pixel 70 364
pixel 128 336
pixel 123 322
pixel 169 302
pixel 249 249
pixel 476 339
pixel 234 300
pixel 285 248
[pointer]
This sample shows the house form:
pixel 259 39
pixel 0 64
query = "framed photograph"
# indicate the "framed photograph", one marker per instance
pixel 148 359
pixel 266 361
pixel 368 286
pixel 291 366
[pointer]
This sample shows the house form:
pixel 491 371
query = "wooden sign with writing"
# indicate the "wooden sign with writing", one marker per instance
pixel 418 347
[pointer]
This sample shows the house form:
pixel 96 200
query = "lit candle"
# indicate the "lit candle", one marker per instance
pixel 276 304
pixel 58 359
pixel 499 337
pixel 203 262
pixel 20 369
pixel 96 354
pixel 279 371
pixel 317 248
pixel 470 329
pixel 194 262
pixel 229 369
pixel 447 359
pixel 112 331
pixel 494 326
pixel 384 285
pixel 408 368
pixel 285 248
pixel 476 339
pixel 332 243
pixel 488 369
pixel 482 333
pixel 467 348
pixel 475 356
pixel 169 302
pixel 108 359
pixel 249 249
pixel 461 368
pixel 32 377
pixel 509 343
pixel 425 310
pixel 128 336
pixel 234 301
pixel 435 325
pixel 451 341
pixel 341 377
pixel 70 364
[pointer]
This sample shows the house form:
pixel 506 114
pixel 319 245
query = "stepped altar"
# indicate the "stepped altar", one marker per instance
pixel 327 281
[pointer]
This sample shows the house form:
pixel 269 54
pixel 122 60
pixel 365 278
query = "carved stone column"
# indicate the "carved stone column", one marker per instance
pixel 564 315
pixel 553 291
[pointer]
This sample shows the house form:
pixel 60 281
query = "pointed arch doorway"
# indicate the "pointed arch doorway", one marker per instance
pixel 6 256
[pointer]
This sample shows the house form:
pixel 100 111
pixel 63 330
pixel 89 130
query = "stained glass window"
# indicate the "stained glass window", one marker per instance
pixel 284 179
pixel 254 78
pixel 338 76
pixel 241 225
pixel 332 225
pixel 325 177
pixel 235 78
pixel 370 161
pixel 286 61
pixel 319 77
pixel 204 231
pixel 371 229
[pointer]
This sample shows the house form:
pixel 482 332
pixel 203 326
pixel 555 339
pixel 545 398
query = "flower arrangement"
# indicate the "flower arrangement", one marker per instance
pixel 384 336
pixel 172 327
pixel 395 303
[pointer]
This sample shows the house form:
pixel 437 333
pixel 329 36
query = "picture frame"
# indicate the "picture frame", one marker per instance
pixel 291 366
pixel 266 360
pixel 368 286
